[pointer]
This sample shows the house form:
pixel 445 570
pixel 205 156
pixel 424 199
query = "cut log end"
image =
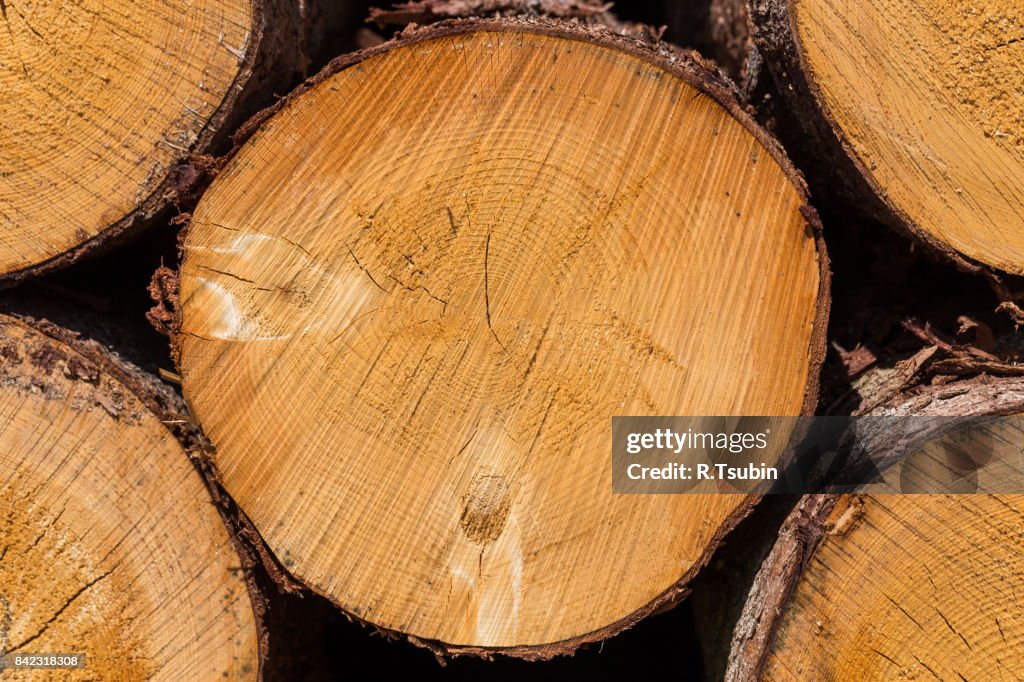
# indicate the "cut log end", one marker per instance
pixel 895 586
pixel 908 585
pixel 920 102
pixel 106 106
pixel 406 326
pixel 109 544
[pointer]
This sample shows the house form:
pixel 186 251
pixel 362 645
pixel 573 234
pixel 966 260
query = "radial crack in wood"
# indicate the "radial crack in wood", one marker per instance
pixel 109 544
pixel 909 586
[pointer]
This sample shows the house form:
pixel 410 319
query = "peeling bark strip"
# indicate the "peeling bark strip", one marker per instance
pixel 774 584
pixel 163 290
pixel 440 300
pixel 428 11
pixel 881 586
pixel 720 30
pixel 134 99
pixel 943 158
pixel 103 518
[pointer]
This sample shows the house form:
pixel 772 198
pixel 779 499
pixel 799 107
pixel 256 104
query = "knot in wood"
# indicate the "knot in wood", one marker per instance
pixel 485 508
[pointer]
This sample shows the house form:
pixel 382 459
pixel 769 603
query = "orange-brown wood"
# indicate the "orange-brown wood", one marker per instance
pixel 109 543
pixel 412 303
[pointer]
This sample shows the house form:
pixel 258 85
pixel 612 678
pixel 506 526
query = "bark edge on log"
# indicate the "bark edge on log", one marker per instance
pixel 807 524
pixel 690 68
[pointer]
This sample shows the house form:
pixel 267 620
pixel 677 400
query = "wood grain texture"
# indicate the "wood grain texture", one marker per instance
pixel 909 587
pixel 107 103
pixel 887 586
pixel 412 302
pixel 918 104
pixel 109 543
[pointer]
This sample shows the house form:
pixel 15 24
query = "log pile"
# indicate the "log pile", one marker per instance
pixel 407 295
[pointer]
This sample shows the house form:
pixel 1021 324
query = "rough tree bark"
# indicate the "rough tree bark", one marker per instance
pixel 719 29
pixel 109 543
pixel 405 326
pixel 893 586
pixel 104 102
pixel 913 109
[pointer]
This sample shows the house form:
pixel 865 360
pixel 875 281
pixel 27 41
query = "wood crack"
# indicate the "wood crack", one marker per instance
pixel 926 667
pixel 420 287
pixel 227 274
pixel 10 33
pixel 29 26
pixel 295 244
pixel 905 612
pixel 487 291
pixel 1005 43
pixel 46 529
pixel 954 630
pixel 67 604
pixel 876 651
pixel 363 268
pixel 464 446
